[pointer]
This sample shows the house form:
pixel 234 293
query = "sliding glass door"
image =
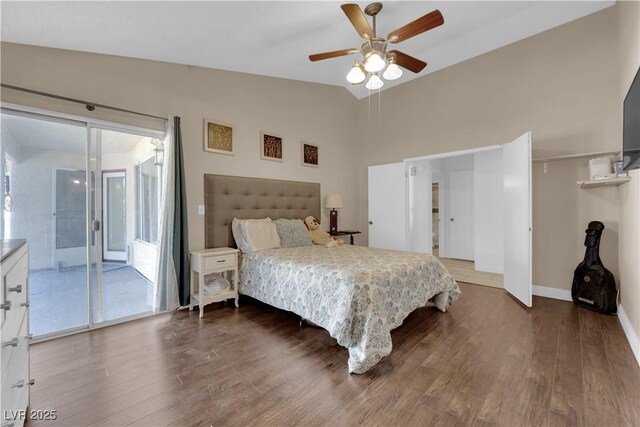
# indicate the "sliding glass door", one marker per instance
pixel 44 173
pixel 125 265
pixel 75 192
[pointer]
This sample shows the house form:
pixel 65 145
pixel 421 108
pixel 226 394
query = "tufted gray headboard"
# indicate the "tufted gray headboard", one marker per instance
pixel 228 197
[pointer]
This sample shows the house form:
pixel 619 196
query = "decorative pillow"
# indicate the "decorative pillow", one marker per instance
pixel 260 235
pixel 242 241
pixel 293 233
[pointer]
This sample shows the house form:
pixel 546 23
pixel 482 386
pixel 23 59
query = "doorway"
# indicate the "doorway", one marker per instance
pixel 490 199
pixel 71 202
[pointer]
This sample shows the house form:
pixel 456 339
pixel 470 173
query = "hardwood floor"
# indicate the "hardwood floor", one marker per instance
pixel 487 361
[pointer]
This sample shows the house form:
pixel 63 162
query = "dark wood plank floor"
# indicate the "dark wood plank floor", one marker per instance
pixel 487 361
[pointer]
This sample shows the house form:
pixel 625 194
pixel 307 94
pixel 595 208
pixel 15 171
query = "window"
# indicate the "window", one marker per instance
pixel 148 179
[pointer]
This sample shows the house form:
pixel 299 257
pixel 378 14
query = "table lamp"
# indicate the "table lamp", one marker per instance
pixel 333 202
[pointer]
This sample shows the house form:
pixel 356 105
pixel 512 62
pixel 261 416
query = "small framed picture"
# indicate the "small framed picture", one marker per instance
pixel 270 146
pixel 218 137
pixel 309 155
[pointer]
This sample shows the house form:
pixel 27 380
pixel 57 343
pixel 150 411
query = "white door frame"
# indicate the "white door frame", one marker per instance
pixel 109 255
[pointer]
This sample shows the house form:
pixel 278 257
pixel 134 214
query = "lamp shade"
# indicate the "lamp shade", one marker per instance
pixel 333 201
pixel 356 75
pixel 374 63
pixel 375 82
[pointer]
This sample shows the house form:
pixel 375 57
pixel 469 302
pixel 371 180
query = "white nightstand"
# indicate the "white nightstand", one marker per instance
pixel 207 261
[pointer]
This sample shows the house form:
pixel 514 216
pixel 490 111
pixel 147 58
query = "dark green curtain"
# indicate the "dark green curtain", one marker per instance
pixel 180 226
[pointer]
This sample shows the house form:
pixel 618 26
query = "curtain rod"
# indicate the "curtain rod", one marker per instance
pixel 575 156
pixel 90 105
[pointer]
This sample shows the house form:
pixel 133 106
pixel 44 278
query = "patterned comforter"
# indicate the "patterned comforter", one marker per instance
pixel 356 293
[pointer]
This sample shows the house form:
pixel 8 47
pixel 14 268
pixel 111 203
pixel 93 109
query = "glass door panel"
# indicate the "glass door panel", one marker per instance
pixel 124 271
pixel 43 166
pixel 114 210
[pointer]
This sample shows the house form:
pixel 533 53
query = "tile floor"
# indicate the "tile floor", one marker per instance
pixel 58 298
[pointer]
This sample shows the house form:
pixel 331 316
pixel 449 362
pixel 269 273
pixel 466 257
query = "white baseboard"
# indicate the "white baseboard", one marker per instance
pixel 555 293
pixel 632 335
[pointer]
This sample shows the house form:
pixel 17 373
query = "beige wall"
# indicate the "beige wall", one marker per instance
pixel 298 111
pixel 562 85
pixel 629 242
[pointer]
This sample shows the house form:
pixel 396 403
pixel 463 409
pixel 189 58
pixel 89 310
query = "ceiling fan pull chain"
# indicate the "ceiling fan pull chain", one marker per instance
pixel 369 101
pixel 379 108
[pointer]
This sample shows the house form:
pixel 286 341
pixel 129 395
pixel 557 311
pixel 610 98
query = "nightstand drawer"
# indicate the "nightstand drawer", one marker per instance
pixel 220 261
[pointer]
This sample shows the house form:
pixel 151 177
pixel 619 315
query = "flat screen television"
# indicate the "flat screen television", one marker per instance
pixel 631 126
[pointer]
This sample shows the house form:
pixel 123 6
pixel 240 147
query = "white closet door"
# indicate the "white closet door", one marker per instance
pixel 517 218
pixel 388 207
pixel 460 243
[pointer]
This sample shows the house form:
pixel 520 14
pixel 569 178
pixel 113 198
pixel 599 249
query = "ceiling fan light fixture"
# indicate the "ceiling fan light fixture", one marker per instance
pixel 356 75
pixel 374 62
pixel 375 82
pixel 392 72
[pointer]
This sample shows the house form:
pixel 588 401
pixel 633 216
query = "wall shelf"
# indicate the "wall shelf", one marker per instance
pixel 604 182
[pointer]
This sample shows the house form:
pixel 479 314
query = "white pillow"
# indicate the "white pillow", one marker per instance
pixel 261 235
pixel 242 241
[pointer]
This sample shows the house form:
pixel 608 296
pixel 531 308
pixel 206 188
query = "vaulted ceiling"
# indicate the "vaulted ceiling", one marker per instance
pixel 275 38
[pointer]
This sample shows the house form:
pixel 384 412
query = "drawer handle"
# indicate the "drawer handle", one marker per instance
pixel 11 424
pixel 13 343
pixel 16 289
pixel 29 337
pixel 221 260
pixel 6 306
pixel 19 384
pixel 25 304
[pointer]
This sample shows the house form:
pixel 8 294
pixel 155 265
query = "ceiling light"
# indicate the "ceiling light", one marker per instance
pixel 374 82
pixel 356 75
pixel 392 72
pixel 374 63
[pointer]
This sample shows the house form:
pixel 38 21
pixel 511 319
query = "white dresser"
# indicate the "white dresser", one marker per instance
pixel 14 271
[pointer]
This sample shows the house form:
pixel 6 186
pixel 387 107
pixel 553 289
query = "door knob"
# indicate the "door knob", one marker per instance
pixel 450 219
pixel 370 222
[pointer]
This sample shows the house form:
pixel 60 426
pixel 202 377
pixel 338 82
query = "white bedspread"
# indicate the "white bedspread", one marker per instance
pixel 356 293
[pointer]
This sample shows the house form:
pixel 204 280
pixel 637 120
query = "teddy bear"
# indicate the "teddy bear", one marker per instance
pixel 318 235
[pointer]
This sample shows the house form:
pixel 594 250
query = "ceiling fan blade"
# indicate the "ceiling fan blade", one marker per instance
pixel 358 20
pixel 408 62
pixel 334 54
pixel 419 26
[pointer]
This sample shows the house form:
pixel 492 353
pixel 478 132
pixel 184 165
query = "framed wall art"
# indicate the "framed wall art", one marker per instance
pixel 218 137
pixel 309 155
pixel 271 146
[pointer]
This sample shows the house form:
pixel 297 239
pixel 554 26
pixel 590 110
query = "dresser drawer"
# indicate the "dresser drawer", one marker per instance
pixel 220 261
pixel 12 321
pixel 15 282
pixel 15 399
pixel 14 356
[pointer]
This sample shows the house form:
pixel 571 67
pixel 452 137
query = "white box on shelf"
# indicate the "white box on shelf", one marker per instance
pixel 600 168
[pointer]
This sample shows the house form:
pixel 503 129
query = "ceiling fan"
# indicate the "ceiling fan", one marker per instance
pixel 374 49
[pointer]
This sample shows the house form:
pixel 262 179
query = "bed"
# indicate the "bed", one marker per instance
pixel 358 294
